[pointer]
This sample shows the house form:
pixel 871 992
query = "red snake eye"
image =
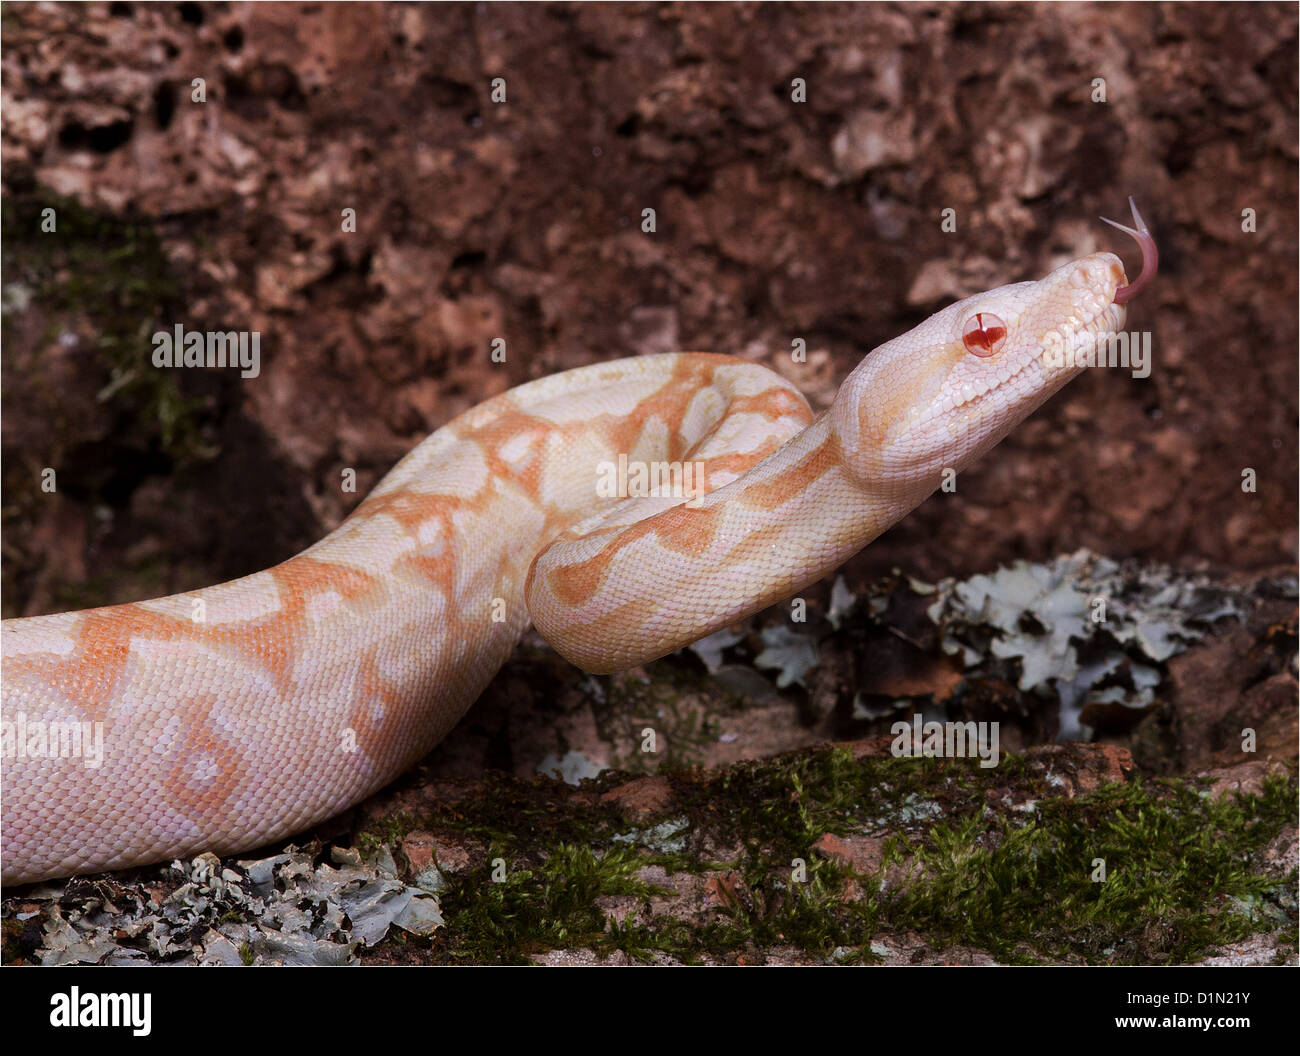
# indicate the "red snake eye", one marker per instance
pixel 984 334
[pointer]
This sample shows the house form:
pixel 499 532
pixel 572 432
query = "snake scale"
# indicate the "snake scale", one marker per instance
pixel 236 715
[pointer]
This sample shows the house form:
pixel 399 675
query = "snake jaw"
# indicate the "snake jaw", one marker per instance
pixel 388 627
pixel 927 402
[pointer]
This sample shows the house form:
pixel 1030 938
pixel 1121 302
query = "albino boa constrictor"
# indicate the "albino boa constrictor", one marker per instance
pixel 240 714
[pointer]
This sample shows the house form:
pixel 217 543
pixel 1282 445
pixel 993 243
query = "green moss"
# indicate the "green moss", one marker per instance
pixel 1184 873
pixel 675 703
pixel 388 832
pixel 144 580
pixel 11 930
pixel 1181 876
pixel 552 904
pixel 113 273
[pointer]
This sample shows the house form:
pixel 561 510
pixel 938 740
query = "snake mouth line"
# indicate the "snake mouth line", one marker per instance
pixel 1094 329
pixel 1104 322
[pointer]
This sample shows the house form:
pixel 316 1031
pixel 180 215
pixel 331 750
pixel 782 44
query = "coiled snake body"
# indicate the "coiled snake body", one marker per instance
pixel 242 713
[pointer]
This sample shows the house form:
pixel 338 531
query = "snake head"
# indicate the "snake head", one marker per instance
pixel 943 394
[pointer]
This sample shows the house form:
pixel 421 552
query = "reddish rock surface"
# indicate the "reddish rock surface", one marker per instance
pixel 642 799
pixel 862 854
pixel 776 220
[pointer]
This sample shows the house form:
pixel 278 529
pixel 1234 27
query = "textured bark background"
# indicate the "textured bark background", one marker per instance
pixel 777 220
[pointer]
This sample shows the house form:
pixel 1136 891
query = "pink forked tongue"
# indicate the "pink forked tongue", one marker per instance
pixel 1150 255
